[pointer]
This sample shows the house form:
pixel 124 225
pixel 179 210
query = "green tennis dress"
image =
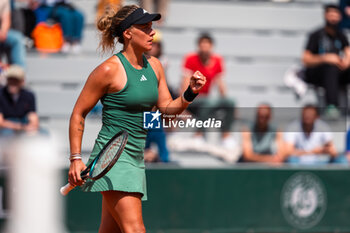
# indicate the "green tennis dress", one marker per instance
pixel 123 110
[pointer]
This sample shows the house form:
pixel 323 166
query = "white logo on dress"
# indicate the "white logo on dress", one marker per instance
pixel 143 78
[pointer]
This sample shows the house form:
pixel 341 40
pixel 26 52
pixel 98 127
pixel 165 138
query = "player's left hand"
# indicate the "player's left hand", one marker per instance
pixel 197 81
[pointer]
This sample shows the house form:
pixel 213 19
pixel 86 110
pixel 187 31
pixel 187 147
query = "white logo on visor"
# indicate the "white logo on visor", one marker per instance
pixel 144 11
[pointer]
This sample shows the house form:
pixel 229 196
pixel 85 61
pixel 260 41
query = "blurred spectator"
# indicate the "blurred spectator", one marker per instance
pixel 104 5
pixel 3 66
pixel 157 136
pixel 212 67
pixel 159 6
pixel 157 51
pixel 263 142
pixel 17 18
pixel 17 105
pixel 309 140
pixel 11 41
pixel 327 59
pixel 344 6
pixel 70 18
pixel 347 149
pixel 23 18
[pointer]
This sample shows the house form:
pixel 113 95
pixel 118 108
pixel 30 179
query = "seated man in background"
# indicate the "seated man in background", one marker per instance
pixel 17 105
pixel 327 58
pixel 309 141
pixel 262 142
pixel 212 66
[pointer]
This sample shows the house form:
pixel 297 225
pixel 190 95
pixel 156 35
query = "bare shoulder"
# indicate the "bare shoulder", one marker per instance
pixel 155 63
pixel 106 71
pixel 108 67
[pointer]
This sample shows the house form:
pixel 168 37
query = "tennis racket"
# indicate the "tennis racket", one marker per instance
pixel 104 161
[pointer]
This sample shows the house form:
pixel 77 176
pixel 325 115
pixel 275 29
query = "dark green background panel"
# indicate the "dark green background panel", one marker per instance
pixel 230 199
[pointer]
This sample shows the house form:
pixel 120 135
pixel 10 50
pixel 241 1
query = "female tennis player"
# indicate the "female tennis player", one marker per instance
pixel 127 84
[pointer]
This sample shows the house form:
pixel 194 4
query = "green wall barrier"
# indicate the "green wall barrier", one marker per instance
pixel 232 199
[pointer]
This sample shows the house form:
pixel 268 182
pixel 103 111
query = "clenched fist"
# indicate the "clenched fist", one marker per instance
pixel 197 82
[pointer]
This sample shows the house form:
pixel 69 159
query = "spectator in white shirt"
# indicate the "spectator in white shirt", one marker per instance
pixel 309 141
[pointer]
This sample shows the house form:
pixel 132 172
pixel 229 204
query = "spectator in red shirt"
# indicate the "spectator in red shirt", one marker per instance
pixel 208 62
pixel 212 66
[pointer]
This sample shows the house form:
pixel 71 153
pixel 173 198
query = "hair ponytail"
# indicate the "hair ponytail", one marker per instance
pixel 108 25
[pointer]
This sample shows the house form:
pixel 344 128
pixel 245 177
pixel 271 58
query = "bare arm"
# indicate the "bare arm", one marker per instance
pixel 346 58
pixel 165 102
pixel 281 152
pixel 221 85
pixel 95 87
pixel 9 124
pixel 291 150
pixel 186 75
pixel 31 126
pixel 249 155
pixel 311 60
pixel 328 148
pixel 5 24
pixel 33 122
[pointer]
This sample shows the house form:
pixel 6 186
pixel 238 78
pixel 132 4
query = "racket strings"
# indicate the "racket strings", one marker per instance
pixel 107 157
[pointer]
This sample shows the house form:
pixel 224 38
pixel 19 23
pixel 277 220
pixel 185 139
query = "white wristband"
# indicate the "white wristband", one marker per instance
pixel 74 157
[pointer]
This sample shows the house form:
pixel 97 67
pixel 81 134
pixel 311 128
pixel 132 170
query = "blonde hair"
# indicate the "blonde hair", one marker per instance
pixel 108 24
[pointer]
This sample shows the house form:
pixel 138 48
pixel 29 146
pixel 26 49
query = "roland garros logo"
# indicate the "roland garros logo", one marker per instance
pixel 303 200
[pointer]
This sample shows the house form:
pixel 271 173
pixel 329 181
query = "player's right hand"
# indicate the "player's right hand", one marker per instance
pixel 197 81
pixel 76 167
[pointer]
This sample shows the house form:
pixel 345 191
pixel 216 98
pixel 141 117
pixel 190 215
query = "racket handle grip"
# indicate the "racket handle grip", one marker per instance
pixel 66 189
